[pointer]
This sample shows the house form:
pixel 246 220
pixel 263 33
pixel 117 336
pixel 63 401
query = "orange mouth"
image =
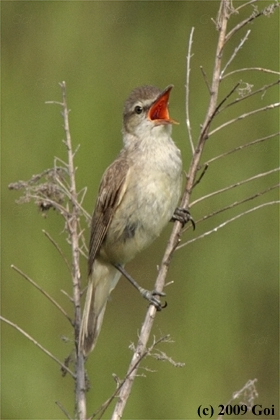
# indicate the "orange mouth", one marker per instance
pixel 159 112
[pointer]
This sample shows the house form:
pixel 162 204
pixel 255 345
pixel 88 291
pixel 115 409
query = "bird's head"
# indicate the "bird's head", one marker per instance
pixel 146 110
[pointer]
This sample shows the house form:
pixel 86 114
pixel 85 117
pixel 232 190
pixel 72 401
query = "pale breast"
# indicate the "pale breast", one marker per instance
pixel 153 192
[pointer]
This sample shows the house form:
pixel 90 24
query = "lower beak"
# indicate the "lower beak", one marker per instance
pixel 159 113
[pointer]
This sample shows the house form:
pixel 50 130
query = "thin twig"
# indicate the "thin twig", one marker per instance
pixel 241 147
pixel 63 410
pixel 205 130
pixel 235 52
pixel 73 226
pixel 198 180
pixel 246 115
pixel 215 229
pixel 236 184
pixel 105 405
pixel 38 345
pixel 74 200
pixel 54 103
pixel 162 356
pixel 255 92
pixel 36 178
pixel 188 122
pixel 232 205
pixel 58 248
pixel 52 203
pixel 43 292
pixel 218 107
pixel 67 295
pixel 212 109
pixel 240 25
pixel 251 69
pixel 245 5
pixel 246 397
pixel 205 79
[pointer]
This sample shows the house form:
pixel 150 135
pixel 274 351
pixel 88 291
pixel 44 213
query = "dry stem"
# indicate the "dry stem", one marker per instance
pixel 73 227
pixel 62 365
pixel 42 291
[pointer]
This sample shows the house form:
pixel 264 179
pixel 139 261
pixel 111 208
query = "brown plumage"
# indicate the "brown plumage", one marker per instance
pixel 137 197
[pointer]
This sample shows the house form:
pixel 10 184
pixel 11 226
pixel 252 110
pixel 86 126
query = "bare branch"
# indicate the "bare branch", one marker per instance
pixel 38 345
pixel 67 295
pixel 245 5
pixel 63 410
pixel 205 79
pixel 120 383
pixel 237 184
pixel 217 110
pixel 49 173
pixel 266 11
pixel 243 97
pixel 74 200
pixel 73 226
pixel 214 230
pixel 188 123
pixel 212 109
pixel 160 355
pixel 54 103
pixel 241 117
pixel 198 180
pixel 234 204
pixel 241 147
pixel 246 395
pixel 58 248
pixel 251 69
pixel 46 194
pixel 235 52
pixel 43 292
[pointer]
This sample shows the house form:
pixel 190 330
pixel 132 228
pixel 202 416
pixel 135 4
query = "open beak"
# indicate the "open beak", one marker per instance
pixel 159 112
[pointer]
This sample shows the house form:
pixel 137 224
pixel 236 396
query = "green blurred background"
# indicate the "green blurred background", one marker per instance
pixel 223 306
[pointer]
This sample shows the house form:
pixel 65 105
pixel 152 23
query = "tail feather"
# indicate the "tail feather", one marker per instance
pixel 102 281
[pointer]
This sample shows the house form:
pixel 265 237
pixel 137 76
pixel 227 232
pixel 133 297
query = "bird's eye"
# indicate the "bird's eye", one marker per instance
pixel 138 109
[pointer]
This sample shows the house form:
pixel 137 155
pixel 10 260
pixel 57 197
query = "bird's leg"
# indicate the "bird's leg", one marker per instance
pixel 150 296
pixel 183 216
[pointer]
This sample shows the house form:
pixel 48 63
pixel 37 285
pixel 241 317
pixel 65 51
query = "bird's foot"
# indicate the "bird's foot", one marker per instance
pixel 151 297
pixel 183 216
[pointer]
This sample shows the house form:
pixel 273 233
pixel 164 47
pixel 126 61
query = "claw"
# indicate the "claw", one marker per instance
pixel 183 216
pixel 150 296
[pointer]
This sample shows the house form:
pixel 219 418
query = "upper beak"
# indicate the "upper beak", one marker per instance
pixel 159 112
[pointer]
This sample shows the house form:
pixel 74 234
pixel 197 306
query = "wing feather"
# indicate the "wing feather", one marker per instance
pixel 111 191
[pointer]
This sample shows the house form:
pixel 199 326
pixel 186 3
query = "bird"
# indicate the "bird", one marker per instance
pixel 137 197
